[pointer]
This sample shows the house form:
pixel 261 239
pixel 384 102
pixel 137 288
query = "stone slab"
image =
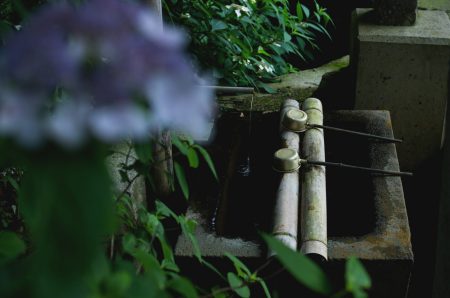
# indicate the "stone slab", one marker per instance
pixel 406 70
pixel 299 85
pixel 431 28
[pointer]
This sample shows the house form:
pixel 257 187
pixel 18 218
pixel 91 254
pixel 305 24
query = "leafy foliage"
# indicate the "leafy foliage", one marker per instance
pixel 246 41
pixel 83 240
pixel 141 259
pixel 11 246
pixel 302 268
pixel 357 278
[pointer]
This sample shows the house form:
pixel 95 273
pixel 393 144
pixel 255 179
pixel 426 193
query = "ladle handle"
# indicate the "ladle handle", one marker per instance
pixel 343 165
pixel 231 89
pixel 368 135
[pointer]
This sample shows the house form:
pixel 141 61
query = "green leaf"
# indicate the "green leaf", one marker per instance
pixel 217 25
pixel 359 294
pixel 356 276
pixel 208 159
pixel 217 293
pixel 148 261
pixel 162 209
pixel 156 275
pixel 188 231
pixel 305 11
pixel 240 267
pixel 192 158
pixel 327 18
pixel 319 28
pixel 119 282
pixel 262 51
pixel 143 152
pixel 170 265
pixel 182 146
pixel 11 246
pixel 129 243
pixel 286 37
pixel 300 266
pixel 153 225
pixel 183 286
pixel 238 285
pixel 299 12
pixel 179 173
pixel 267 88
pixel 168 254
pixel 13 183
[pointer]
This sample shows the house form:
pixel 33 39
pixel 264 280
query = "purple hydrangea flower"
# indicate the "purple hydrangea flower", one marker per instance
pixel 122 76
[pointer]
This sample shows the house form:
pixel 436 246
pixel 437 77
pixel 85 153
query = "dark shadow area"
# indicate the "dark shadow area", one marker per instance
pixel 247 194
pixel 350 193
pixel 247 198
pixel 422 193
pixel 338 46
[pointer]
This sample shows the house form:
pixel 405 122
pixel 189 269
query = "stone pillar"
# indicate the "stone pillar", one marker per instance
pixel 396 12
pixel 405 70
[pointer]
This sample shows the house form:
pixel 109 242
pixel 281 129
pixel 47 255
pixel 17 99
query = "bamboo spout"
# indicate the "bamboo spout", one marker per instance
pixel 285 221
pixel 313 202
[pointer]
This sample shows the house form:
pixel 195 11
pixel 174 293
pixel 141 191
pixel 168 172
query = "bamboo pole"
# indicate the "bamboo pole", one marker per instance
pixel 313 203
pixel 285 221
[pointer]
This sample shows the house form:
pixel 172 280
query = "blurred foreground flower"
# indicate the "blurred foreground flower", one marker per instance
pixel 102 70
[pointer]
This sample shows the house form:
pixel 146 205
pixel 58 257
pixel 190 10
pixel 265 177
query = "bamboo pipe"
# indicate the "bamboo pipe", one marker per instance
pixel 285 220
pixel 313 202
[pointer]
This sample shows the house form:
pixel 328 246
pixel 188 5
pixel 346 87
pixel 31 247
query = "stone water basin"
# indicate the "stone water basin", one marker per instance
pixel 367 215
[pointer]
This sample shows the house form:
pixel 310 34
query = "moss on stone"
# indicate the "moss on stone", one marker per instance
pixel 435 4
pixel 299 86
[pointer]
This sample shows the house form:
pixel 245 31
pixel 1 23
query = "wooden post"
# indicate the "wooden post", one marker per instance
pixel 162 170
pixel 156 5
pixel 162 167
pixel 314 204
pixel 285 221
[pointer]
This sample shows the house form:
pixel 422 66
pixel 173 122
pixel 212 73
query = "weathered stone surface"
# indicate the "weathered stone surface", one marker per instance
pixel 396 12
pixel 443 5
pixel 405 70
pixel 432 28
pixel 386 247
pixel 123 155
pixel 211 245
pixel 299 86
